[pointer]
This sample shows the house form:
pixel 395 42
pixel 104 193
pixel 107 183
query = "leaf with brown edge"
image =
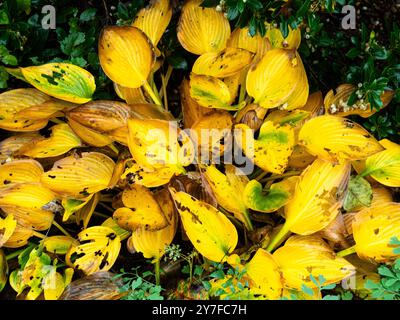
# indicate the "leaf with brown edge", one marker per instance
pixel 154 19
pixel 373 228
pixel 141 210
pixel 88 135
pixel 278 80
pixel 7 227
pixel 209 92
pixel 98 250
pixel 222 64
pixel 305 255
pixel 62 140
pixel 273 147
pixel 337 139
pixel 10 145
pixel 195 33
pixel 153 243
pixel 126 55
pixel 64 81
pixel 26 202
pixel 300 158
pixel 19 171
pixel 79 176
pixel 209 230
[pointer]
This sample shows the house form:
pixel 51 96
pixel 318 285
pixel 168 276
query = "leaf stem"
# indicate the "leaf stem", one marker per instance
pixel 247 221
pixel 59 227
pixel 14 254
pixel 164 91
pixel 39 235
pixel 157 271
pixel 151 93
pixel 113 148
pixel 346 252
pixel 277 240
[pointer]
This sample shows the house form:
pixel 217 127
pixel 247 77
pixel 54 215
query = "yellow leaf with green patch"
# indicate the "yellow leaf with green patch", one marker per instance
pixel 78 176
pixel 98 250
pixel 275 37
pixel 373 230
pixel 225 63
pixel 62 80
pixel 337 139
pixel 58 244
pixel 302 256
pixel 71 206
pixel 84 214
pixel 122 233
pixel 202 30
pixel 126 55
pixel 141 210
pixel 209 230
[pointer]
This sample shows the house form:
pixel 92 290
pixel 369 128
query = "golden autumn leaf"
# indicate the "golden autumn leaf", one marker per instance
pixel 278 80
pixel 62 140
pixel 209 230
pixel 211 92
pixel 98 252
pixel 64 81
pixel 54 283
pixel 141 210
pixel 302 256
pixel 252 115
pixel 317 199
pixel 300 158
pixel 88 135
pixel 154 19
pixel 71 206
pixel 19 171
pixel 225 63
pixel 226 187
pixel 7 227
pixel 273 147
pixel 337 139
pixel 111 223
pixel 26 202
pixel 59 244
pixel 241 38
pixel 79 175
pixel 49 109
pixel 159 144
pixel 153 243
pixel 384 167
pixel 19 237
pixel 195 33
pixel 10 145
pixel 130 95
pixel 126 55
pixel 84 214
pixel 275 37
pixel 373 229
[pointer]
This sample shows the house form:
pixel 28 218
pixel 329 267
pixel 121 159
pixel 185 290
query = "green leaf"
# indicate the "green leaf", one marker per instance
pixel 218 274
pixel 72 40
pixel 359 193
pixel 308 291
pixel 178 62
pixel 10 60
pixel 4 17
pixel 88 14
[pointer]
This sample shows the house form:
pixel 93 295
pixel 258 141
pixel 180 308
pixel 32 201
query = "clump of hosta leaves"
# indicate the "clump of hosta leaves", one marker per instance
pixel 271 189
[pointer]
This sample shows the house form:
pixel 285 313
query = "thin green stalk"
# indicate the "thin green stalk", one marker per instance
pixel 276 241
pixel 59 227
pixel 39 235
pixel 157 271
pixel 101 215
pixel 280 176
pixel 247 221
pixel 113 148
pixel 151 93
pixel 346 252
pixel 164 91
pixel 14 254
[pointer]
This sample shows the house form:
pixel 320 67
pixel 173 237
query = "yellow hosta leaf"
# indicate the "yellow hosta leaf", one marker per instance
pixel 314 104
pixel 88 135
pixel 202 30
pixel 384 167
pixel 209 230
pixel 233 83
pixel 222 64
pixel 154 19
pixel 337 139
pixel 141 210
pixel 62 140
pixel 275 37
pixel 271 200
pixel 7 227
pixel 19 171
pixel 317 197
pixel 191 110
pixel 159 143
pixel 46 110
pixel 19 237
pixel 126 55
pixel 98 252
pixel 153 243
pixel 79 176
pixel 241 38
pixel 26 201
pixel 62 80
pixel 373 229
pixel 278 80
pixel 59 244
pixel 53 285
pixel 252 115
pixel 300 158
pixel 84 214
pixel 302 256
pixel 273 147
pixel 211 92
pixel 226 188
pixel 73 205
pixel 122 233
pixel 265 276
pixel 10 145
pixel 130 95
